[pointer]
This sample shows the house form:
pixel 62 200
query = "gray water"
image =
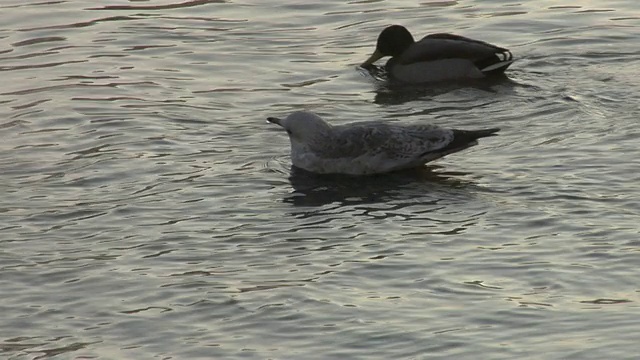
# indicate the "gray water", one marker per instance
pixel 148 211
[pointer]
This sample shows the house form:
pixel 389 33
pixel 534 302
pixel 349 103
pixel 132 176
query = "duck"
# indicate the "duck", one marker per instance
pixel 370 147
pixel 437 57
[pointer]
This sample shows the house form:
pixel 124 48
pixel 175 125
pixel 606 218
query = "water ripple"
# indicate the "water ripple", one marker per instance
pixel 148 210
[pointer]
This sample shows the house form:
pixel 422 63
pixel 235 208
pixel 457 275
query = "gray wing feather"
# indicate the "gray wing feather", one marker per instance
pixel 386 140
pixel 411 142
pixel 445 46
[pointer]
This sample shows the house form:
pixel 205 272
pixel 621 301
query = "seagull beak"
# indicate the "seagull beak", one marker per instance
pixel 373 58
pixel 274 120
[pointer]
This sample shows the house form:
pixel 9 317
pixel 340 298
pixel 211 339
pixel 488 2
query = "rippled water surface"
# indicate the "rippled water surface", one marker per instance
pixel 149 211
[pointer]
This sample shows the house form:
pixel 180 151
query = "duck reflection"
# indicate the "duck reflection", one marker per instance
pixel 317 190
pixel 389 92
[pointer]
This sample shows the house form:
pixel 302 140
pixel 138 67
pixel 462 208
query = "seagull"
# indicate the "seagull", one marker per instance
pixel 371 147
pixel 437 57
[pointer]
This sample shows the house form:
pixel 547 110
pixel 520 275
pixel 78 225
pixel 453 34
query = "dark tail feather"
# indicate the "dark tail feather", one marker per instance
pixel 462 139
pixel 497 68
pixel 475 134
pixel 496 64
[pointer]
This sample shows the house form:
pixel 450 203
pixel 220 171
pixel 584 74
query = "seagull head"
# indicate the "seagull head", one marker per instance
pixel 302 126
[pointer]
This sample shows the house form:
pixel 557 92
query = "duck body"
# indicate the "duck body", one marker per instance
pixel 437 57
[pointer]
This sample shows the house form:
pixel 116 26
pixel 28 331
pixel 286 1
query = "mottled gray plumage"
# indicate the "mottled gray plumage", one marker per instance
pixel 369 147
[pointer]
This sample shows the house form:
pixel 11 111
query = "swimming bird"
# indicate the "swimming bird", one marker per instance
pixel 437 57
pixel 369 147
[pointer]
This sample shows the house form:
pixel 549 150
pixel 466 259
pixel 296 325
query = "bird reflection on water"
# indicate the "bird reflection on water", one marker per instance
pixel 389 92
pixel 426 182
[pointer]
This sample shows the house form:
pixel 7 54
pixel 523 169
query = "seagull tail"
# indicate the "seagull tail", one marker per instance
pixel 463 139
pixel 475 134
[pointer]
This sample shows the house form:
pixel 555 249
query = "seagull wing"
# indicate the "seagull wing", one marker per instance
pixel 386 142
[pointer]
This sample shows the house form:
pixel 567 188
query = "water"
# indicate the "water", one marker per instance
pixel 149 211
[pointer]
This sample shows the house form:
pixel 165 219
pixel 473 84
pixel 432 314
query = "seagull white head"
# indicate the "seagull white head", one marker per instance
pixel 303 127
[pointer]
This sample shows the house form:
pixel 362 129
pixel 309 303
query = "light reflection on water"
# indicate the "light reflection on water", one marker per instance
pixel 149 211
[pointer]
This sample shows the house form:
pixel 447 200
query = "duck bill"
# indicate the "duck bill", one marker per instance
pixel 274 120
pixel 373 58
